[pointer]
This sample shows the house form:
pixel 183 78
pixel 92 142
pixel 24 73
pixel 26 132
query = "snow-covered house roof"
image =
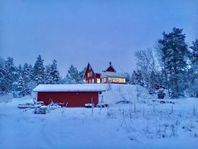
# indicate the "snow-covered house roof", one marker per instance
pixel 113 74
pixel 70 88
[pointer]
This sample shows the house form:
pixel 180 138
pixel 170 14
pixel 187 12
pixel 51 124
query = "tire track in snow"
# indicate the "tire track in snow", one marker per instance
pixel 45 135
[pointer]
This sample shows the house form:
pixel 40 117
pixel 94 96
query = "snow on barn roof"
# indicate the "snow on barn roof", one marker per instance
pixel 70 88
pixel 113 74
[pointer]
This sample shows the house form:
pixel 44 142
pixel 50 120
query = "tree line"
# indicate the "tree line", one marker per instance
pixel 172 65
pixel 20 80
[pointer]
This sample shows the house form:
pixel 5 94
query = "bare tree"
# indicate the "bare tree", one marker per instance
pixel 146 64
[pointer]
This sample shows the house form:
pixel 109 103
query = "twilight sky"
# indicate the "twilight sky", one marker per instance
pixel 96 31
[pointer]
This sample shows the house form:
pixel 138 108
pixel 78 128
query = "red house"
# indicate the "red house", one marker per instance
pixel 70 95
pixel 107 76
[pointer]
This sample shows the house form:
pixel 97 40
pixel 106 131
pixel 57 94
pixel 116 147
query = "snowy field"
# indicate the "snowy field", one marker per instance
pixel 143 123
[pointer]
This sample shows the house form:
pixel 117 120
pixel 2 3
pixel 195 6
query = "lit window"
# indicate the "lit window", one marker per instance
pixel 117 80
pixel 98 80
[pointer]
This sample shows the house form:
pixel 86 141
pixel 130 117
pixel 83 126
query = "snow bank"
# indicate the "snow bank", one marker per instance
pixel 124 92
pixel 6 98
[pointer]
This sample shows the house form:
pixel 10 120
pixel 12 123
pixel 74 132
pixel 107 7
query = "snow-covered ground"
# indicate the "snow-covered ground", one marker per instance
pixel 140 124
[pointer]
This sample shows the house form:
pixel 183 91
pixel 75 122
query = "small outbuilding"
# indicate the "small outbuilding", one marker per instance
pixel 69 95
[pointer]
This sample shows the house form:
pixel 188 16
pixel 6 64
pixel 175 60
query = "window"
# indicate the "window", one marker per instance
pixel 98 80
pixel 90 74
pixel 117 80
pixel 104 80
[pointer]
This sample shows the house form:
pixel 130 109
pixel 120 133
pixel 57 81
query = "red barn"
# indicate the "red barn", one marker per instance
pixel 70 95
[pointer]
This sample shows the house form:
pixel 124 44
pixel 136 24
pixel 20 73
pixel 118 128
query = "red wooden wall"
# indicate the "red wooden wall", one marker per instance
pixel 69 99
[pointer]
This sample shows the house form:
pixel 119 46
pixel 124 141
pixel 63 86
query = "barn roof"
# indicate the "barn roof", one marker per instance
pixel 70 88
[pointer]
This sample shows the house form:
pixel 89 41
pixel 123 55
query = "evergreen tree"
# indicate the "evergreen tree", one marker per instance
pixel 22 87
pixel 137 78
pixel 52 75
pixel 81 75
pixel 154 82
pixel 2 76
pixel 72 75
pixel 173 50
pixel 193 71
pixel 19 87
pixel 38 70
pixel 27 72
pixel 48 77
pixel 27 75
pixel 55 73
pixel 194 56
pixel 133 78
pixel 10 75
pixel 15 83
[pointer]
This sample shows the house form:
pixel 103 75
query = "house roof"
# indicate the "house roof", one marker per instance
pixel 97 75
pixel 113 74
pixel 70 88
pixel 110 68
pixel 93 69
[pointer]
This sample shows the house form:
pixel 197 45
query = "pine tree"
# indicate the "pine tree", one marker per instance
pixel 81 75
pixel 38 70
pixel 10 75
pixel 193 71
pixel 173 51
pixel 133 78
pixel 154 82
pixel 72 75
pixel 52 75
pixel 137 78
pixel 194 56
pixel 55 73
pixel 19 87
pixel 2 76
pixel 27 75
pixel 48 78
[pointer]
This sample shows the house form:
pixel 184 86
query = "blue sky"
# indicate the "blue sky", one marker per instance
pixel 96 31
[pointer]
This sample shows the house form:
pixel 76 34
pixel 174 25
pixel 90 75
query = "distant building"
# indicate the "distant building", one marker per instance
pixel 108 76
